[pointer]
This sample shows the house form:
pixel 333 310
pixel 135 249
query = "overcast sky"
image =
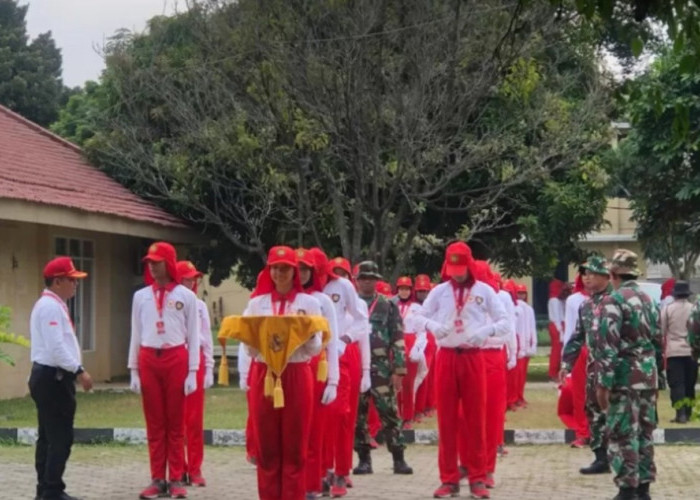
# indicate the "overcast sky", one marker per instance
pixel 78 26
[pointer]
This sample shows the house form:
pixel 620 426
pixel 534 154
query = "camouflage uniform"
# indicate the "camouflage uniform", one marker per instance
pixel 387 359
pixel 584 335
pixel 694 330
pixel 627 343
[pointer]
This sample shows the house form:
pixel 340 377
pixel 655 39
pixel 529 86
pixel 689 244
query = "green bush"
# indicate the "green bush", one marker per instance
pixel 8 338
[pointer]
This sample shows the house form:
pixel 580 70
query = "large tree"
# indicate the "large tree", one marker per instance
pixel 658 165
pixel 374 129
pixel 30 71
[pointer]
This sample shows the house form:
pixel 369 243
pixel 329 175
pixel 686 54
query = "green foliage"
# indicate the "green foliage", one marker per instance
pixel 30 71
pixel 9 338
pixel 658 165
pixel 356 126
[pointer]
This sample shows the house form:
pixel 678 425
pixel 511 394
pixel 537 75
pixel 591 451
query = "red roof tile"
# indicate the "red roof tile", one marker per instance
pixel 38 166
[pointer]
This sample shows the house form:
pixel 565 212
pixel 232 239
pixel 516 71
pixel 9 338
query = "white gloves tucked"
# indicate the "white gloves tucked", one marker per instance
pixel 135 384
pixel 479 336
pixel 191 383
pixel 512 362
pixel 341 348
pixel 366 382
pixel 243 381
pixel 417 350
pixel 209 378
pixel 329 394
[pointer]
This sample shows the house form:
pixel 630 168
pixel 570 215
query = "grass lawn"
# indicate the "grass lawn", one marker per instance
pixel 226 408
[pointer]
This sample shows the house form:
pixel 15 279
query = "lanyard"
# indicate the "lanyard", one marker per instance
pixel 160 300
pixel 372 306
pixel 64 306
pixel 404 308
pixel 460 301
pixel 281 309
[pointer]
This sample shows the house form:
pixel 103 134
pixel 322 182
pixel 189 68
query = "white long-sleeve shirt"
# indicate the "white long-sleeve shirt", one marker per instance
pixel 181 323
pixel 482 311
pixel 328 311
pixel 347 307
pixel 555 310
pixel 52 334
pixel 573 303
pixel 302 304
pixel 410 315
pixel 526 329
pixel 205 341
pixel 508 340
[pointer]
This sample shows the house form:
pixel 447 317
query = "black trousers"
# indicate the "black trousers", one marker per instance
pixel 682 374
pixel 53 392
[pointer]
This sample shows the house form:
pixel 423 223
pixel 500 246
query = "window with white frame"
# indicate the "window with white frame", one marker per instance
pixel 82 306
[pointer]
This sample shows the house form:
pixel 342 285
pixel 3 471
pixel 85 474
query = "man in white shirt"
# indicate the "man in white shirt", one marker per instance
pixel 164 359
pixel 527 332
pixel 462 312
pixel 56 365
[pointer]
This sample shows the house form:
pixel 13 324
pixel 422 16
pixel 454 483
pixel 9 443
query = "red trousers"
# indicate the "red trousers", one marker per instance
pixel 340 428
pixel 578 386
pixel 461 382
pixel 282 434
pixel 314 459
pixel 425 396
pixel 251 448
pixel 565 404
pixel 407 396
pixel 163 373
pixel 194 424
pixel 521 370
pixel 555 353
pixel 495 364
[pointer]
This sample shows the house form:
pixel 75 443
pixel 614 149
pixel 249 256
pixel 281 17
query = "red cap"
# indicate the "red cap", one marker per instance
pixel 339 262
pixel 404 281
pixel 422 283
pixel 304 256
pixel 282 255
pixel 161 251
pixel 277 255
pixel 458 260
pixel 185 269
pixel 62 267
pixel 384 288
pixel 521 288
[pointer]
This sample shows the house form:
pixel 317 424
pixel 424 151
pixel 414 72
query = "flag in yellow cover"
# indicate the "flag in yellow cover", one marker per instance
pixel 276 338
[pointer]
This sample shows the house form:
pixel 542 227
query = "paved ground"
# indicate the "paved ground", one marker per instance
pixel 116 472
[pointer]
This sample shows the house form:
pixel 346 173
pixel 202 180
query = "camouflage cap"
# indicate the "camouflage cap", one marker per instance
pixel 624 262
pixel 596 264
pixel 368 269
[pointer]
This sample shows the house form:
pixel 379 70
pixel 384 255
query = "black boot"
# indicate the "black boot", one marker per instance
pixel 643 491
pixel 627 494
pixel 365 464
pixel 400 465
pixel 682 415
pixel 600 465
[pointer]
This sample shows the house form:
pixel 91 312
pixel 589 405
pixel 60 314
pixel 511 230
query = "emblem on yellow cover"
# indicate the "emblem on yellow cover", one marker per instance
pixel 276 343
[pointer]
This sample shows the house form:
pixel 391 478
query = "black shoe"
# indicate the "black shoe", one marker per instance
pixel 186 479
pixel 62 496
pixel 643 491
pixel 400 465
pixel 326 485
pixel 627 494
pixel 600 465
pixel 365 464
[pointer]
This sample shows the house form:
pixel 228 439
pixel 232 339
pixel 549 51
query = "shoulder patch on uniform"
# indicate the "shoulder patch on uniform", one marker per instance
pixel 301 312
pixel 179 305
pixel 335 297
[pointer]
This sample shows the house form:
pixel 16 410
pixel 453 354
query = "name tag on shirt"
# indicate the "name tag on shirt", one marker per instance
pixel 160 327
pixel 459 326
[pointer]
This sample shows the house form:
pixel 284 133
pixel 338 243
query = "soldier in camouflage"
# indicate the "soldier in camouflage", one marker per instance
pixel 598 281
pixel 627 344
pixel 387 369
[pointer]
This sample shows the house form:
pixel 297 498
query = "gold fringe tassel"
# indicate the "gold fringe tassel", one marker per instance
pixel 223 371
pixel 278 398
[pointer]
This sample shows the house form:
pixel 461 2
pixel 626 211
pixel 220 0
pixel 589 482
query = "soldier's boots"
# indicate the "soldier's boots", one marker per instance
pixel 365 464
pixel 600 465
pixel 400 465
pixel 627 494
pixel 643 491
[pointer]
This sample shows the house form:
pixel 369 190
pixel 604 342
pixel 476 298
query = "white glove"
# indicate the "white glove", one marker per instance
pixel 439 330
pixel 329 394
pixel 366 382
pixel 521 354
pixel 478 337
pixel 512 362
pixel 209 378
pixel 341 348
pixel 135 385
pixel 243 381
pixel 191 383
pixel 417 350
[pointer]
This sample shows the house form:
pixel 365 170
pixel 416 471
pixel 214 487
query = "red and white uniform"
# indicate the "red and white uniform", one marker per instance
pixel 526 329
pixel 282 435
pixel 457 315
pixel 354 363
pixel 164 348
pixel 555 310
pixel 415 340
pixel 194 403
pixel 578 374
